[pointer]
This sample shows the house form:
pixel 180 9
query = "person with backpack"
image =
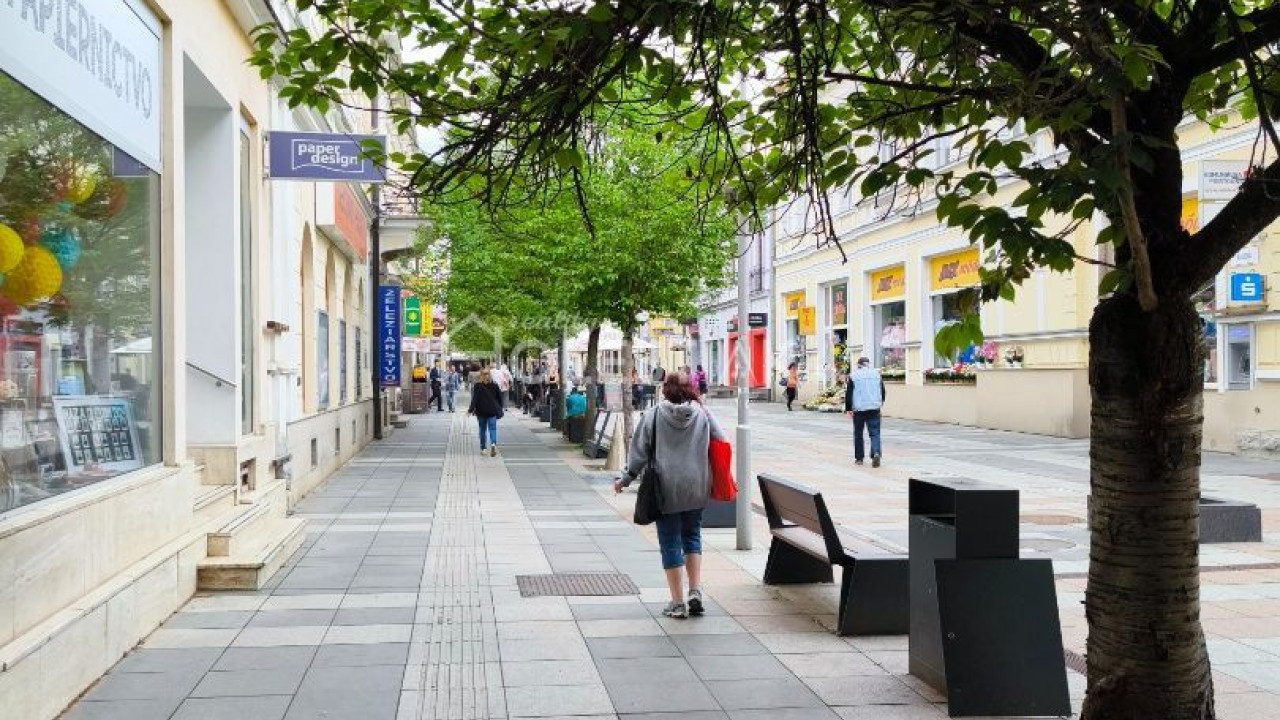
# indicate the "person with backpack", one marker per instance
pixel 863 397
pixel 675 437
pixel 486 405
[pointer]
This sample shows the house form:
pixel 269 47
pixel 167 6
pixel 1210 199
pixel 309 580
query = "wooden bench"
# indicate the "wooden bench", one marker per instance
pixel 874 586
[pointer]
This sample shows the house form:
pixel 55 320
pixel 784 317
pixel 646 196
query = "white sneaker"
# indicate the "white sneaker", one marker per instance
pixel 695 602
pixel 675 610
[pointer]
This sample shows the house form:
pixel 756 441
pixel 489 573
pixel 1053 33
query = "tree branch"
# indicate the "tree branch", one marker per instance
pixel 1146 25
pixel 1142 275
pixel 1255 207
pixel 1266 30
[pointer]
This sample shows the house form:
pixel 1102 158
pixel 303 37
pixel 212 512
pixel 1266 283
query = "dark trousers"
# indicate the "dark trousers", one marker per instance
pixel 436 395
pixel 869 419
pixel 791 396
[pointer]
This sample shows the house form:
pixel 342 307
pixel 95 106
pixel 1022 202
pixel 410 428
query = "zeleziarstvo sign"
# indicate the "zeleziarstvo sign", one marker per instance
pixel 323 157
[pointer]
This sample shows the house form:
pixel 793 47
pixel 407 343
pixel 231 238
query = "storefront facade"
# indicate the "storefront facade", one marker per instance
pixel 715 335
pixel 907 277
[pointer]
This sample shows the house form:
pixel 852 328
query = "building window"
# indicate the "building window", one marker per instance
pixel 342 362
pixel 359 364
pixel 837 331
pixel 1239 356
pixel 248 324
pixel 79 344
pixel 951 308
pixel 322 359
pixel 889 337
pixel 953 284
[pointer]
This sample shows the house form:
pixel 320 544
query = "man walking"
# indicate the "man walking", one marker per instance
pixel 863 396
pixel 436 396
pixel 452 382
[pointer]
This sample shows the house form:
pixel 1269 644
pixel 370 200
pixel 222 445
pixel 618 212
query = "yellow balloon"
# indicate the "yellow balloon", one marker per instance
pixel 11 248
pixel 83 183
pixel 38 277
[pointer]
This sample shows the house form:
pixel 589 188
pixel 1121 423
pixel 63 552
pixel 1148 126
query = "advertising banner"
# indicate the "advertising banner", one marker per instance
pixel 323 157
pixel 955 270
pixel 412 317
pixel 389 335
pixel 793 301
pixel 888 284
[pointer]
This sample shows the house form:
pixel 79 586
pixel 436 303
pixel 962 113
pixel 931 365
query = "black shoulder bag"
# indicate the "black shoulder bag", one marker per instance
pixel 649 496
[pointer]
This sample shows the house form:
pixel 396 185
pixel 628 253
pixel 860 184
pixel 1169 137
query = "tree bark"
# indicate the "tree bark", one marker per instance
pixel 628 362
pixel 590 376
pixel 1146 649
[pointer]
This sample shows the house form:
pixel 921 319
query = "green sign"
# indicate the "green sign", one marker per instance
pixel 412 317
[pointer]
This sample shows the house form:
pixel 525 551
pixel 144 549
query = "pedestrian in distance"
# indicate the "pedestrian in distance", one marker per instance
pixel 436 379
pixel 863 397
pixel 700 376
pixel 486 405
pixel 678 434
pixel 452 383
pixel 792 383
pixel 503 379
pixel 659 374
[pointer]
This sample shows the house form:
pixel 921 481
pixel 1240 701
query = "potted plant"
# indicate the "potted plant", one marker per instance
pixel 1013 356
pixel 987 355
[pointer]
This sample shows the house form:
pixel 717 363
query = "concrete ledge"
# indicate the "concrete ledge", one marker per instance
pixel 1228 521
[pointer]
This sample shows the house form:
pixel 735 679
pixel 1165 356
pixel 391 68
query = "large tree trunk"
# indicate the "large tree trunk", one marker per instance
pixel 1146 649
pixel 590 376
pixel 628 362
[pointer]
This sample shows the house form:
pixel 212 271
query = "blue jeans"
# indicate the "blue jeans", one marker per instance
pixel 679 534
pixel 870 419
pixel 449 396
pixel 489 428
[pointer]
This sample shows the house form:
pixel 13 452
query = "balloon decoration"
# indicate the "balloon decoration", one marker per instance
pixel 64 245
pixel 81 186
pixel 38 277
pixel 11 248
pixel 107 201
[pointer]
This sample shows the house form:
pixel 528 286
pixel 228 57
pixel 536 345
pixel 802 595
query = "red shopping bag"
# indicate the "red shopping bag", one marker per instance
pixel 722 485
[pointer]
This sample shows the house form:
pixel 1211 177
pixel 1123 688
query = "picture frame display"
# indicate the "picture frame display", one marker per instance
pixel 97 432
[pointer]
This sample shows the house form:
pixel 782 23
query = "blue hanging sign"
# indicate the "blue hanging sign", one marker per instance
pixel 389 335
pixel 323 157
pixel 1246 287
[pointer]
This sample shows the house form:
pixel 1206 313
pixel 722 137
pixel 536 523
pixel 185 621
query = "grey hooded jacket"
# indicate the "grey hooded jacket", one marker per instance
pixel 684 432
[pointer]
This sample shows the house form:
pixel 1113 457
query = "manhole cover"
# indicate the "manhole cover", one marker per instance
pixel 1044 545
pixel 1052 519
pixel 576 584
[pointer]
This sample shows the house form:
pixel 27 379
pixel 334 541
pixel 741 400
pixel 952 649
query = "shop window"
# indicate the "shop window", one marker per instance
pixel 890 337
pixel 79 344
pixel 797 346
pixel 837 333
pixel 950 308
pixel 248 323
pixel 322 359
pixel 342 362
pixel 1239 357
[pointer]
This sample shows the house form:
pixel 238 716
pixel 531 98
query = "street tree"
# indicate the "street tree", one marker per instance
pixel 806 97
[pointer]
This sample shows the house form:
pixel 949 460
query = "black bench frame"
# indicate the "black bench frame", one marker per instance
pixel 874 588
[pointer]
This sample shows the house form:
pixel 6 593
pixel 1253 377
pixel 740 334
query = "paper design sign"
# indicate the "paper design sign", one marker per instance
pixel 323 157
pixel 389 335
pixel 97 433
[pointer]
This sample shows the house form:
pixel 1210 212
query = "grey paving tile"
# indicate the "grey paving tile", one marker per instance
pixel 234 708
pixel 884 690
pixel 274 681
pixel 572 648
pixel 375 616
pixel 280 636
pixel 805 713
pixel 632 647
pixel 694 715
pixel 144 685
pixel 549 672
pixel 235 619
pixel 892 712
pixel 362 655
pixel 738 667
pixel 556 700
pixel 620 671
pixel 265 658
pixel 159 709
pixel 291 618
pixel 348 693
pixel 734 644
pixel 787 692
pixel 642 697
pixel 618 611
pixel 151 660
pixel 831 665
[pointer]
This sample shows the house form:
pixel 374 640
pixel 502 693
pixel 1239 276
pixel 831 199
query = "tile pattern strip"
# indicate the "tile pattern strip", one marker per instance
pixel 594 584
pixel 454 671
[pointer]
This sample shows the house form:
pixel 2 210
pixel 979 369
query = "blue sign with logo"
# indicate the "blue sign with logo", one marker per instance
pixel 323 157
pixel 389 335
pixel 1246 287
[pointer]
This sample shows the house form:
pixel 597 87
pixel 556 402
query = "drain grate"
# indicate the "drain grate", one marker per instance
pixel 576 584
pixel 1076 661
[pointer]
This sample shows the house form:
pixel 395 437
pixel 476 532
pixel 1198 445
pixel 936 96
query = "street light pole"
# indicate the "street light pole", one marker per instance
pixel 375 283
pixel 742 515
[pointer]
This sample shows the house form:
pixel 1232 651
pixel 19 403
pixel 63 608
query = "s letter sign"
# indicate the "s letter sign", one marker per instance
pixel 323 157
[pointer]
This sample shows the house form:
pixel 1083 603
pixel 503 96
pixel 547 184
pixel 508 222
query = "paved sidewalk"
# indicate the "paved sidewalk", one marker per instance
pixel 402 604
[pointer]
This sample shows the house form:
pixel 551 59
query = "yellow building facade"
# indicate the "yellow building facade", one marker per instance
pixel 907 275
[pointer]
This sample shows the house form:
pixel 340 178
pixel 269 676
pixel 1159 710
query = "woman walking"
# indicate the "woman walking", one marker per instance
pixel 486 405
pixel 700 378
pixel 793 384
pixel 677 433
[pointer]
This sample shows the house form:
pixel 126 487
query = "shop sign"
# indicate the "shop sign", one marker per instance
pixel 1190 218
pixel 96 431
pixel 97 60
pixel 389 335
pixel 412 317
pixel 754 320
pixel 839 304
pixel 808 317
pixel 323 157
pixel 793 301
pixel 957 270
pixel 1221 179
pixel 889 284
pixel 1247 287
pixel 1248 255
